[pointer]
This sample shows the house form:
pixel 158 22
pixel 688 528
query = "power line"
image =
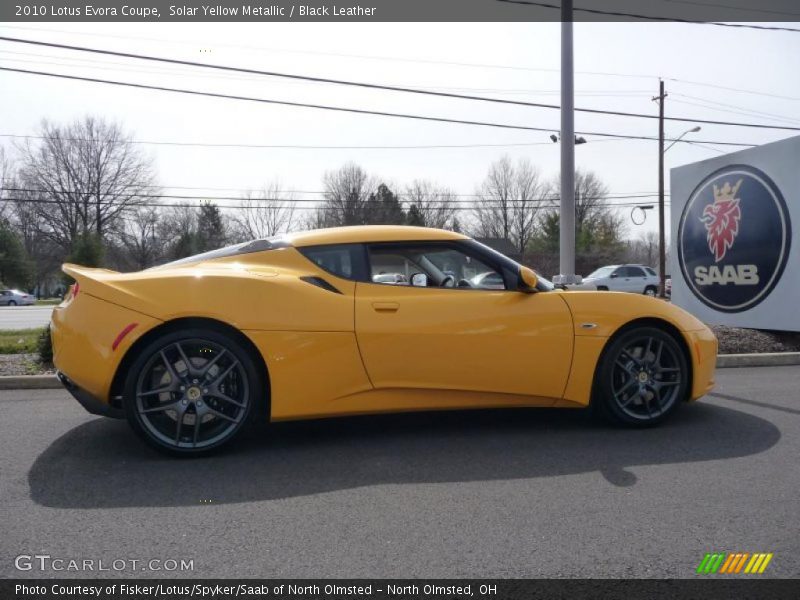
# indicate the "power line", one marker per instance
pixel 111 65
pixel 726 110
pixel 338 108
pixel 293 200
pixel 630 194
pixel 732 89
pixel 732 7
pixel 327 53
pixel 297 146
pixel 595 11
pixel 714 104
pixel 284 206
pixel 381 87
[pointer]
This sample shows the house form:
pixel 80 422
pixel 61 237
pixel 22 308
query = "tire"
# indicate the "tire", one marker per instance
pixel 651 291
pixel 642 378
pixel 12 303
pixel 222 386
pixel 602 288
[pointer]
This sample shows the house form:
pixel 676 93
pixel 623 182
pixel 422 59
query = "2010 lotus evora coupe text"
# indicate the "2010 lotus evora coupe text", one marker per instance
pixel 360 320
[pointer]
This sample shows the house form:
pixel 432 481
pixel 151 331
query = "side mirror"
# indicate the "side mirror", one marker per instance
pixel 527 280
pixel 419 280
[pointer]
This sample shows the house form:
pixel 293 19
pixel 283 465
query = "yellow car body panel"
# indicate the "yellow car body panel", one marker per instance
pixel 364 347
pixel 435 338
pixel 83 342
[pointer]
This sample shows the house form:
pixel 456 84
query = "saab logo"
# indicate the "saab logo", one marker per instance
pixel 733 238
pixel 734 562
pixel 722 219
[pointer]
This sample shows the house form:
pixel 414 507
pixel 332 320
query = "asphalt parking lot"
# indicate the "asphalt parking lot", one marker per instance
pixel 530 493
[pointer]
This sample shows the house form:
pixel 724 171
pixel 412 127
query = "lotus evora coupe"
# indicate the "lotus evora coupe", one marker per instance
pixel 358 320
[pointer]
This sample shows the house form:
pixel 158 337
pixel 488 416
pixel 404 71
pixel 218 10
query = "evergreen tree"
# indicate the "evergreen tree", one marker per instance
pixel 415 217
pixel 15 269
pixel 210 228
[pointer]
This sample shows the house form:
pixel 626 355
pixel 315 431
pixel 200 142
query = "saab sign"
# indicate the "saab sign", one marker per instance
pixel 734 260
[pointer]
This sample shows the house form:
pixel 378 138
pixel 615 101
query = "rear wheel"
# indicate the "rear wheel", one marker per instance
pixel 642 378
pixel 190 392
pixel 650 291
pixel 602 288
pixel 12 302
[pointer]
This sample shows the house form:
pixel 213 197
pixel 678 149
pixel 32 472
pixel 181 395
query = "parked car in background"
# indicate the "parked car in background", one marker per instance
pixel 637 279
pixel 16 298
pixel 390 278
pixel 488 281
pixel 668 287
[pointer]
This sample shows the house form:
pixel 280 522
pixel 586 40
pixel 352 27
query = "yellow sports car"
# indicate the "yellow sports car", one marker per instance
pixel 360 320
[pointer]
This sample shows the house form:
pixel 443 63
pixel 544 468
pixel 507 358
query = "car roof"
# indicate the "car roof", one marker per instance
pixel 369 233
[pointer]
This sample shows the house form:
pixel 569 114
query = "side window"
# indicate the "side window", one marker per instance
pixel 343 260
pixel 650 271
pixel 442 265
pixel 636 272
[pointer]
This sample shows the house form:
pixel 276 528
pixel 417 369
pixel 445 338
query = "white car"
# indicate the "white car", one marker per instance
pixel 16 298
pixel 637 279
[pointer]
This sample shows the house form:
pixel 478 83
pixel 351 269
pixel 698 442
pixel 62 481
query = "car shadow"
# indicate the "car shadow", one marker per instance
pixel 101 464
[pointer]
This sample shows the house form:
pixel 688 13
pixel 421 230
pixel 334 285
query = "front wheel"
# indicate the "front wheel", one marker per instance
pixel 190 392
pixel 642 377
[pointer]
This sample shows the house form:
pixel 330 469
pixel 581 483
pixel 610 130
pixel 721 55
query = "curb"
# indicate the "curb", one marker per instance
pixel 29 382
pixel 767 359
pixel 724 361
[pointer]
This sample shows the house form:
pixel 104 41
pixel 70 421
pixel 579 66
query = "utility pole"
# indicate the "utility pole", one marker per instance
pixel 662 252
pixel 567 218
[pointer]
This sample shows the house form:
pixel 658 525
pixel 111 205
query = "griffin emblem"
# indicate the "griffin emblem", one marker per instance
pixel 721 219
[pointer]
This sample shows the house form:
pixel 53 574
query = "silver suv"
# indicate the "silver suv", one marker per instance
pixel 624 278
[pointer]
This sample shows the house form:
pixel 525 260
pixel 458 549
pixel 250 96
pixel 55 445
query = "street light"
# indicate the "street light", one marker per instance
pixel 579 139
pixel 662 251
pixel 678 139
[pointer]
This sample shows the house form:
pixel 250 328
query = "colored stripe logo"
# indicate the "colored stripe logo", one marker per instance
pixel 734 562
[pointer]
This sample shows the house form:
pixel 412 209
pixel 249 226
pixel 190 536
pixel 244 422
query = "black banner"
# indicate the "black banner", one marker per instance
pixel 397 10
pixel 358 589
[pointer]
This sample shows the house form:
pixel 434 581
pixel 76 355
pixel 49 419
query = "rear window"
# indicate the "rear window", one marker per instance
pixel 343 260
pixel 243 248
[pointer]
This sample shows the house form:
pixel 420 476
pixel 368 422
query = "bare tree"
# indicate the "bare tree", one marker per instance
pixel 177 229
pixel 436 206
pixel 140 237
pixel 265 214
pixel 347 192
pixel 82 177
pixel 7 180
pixel 508 201
pixel 644 249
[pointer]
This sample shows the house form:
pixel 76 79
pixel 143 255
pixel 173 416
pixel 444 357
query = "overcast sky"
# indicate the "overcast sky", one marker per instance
pixel 617 67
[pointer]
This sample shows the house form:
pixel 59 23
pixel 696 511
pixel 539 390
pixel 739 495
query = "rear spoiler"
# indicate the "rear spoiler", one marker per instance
pixel 87 277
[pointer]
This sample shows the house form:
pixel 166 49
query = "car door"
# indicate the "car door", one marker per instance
pixel 461 337
pixel 636 280
pixel 621 280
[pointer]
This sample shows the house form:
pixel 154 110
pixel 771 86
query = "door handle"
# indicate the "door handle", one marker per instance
pixel 385 306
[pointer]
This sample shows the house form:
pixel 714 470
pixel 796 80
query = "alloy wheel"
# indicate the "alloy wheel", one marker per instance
pixel 646 378
pixel 192 394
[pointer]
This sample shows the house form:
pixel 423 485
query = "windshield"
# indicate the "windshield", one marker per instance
pixel 601 272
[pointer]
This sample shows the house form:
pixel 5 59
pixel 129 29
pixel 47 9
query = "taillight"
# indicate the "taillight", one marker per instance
pixel 75 289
